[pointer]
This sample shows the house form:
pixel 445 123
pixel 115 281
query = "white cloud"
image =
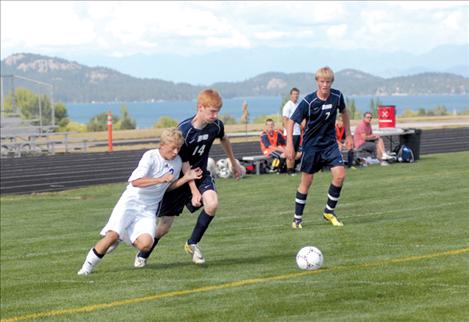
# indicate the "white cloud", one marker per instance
pixel 36 24
pixel 454 20
pixel 235 41
pixel 270 35
pixel 425 5
pixel 337 32
pixel 124 28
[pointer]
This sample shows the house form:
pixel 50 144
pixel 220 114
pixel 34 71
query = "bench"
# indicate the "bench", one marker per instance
pixel 256 159
pixel 38 143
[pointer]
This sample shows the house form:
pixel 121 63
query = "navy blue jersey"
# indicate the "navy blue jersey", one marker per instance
pixel 320 118
pixel 197 143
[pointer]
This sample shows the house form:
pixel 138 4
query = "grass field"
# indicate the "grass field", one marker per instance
pixel 403 254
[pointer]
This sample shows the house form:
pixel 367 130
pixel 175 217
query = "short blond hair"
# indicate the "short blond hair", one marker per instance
pixel 325 72
pixel 209 98
pixel 171 135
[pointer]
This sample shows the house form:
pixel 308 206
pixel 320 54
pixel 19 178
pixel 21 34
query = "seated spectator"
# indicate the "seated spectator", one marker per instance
pixel 273 144
pixel 365 140
pixel 340 136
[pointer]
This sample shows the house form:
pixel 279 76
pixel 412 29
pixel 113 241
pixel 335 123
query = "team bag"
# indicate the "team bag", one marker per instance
pixel 404 154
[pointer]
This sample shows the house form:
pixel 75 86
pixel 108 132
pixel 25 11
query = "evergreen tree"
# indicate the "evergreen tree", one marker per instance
pixel 126 122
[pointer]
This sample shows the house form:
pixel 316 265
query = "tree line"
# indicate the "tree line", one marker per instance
pixel 37 110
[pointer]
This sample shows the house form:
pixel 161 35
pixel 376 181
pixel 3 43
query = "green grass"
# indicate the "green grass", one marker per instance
pixel 403 254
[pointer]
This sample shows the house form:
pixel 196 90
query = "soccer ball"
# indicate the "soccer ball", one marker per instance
pixel 310 258
pixel 222 169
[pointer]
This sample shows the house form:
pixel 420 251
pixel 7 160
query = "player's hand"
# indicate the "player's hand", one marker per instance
pixel 167 177
pixel 194 174
pixel 349 142
pixel 236 171
pixel 196 199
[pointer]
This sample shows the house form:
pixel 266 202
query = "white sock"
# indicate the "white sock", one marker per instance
pixel 91 261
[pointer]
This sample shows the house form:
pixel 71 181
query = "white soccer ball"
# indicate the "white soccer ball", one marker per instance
pixel 222 169
pixel 222 164
pixel 310 258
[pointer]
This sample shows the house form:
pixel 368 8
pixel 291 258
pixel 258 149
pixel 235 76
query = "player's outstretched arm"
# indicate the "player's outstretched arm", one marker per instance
pixel 226 144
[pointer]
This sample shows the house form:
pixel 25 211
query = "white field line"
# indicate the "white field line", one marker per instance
pixel 228 285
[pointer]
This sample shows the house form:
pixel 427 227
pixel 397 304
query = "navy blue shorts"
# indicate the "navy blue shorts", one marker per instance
pixel 174 201
pixel 314 160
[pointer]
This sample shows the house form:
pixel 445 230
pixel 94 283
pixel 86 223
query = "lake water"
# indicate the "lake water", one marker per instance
pixel 146 114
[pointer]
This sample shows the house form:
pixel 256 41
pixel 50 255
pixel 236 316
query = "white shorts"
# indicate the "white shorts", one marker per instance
pixel 130 220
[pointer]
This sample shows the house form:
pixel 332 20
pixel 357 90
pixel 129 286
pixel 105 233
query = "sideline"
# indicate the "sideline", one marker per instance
pixel 156 297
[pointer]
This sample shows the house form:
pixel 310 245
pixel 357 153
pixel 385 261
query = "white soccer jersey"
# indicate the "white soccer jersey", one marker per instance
pixel 152 165
pixel 135 212
pixel 287 111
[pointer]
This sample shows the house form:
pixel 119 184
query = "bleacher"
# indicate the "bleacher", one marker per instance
pixel 21 137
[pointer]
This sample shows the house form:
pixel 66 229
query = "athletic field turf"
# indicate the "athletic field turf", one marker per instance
pixel 403 254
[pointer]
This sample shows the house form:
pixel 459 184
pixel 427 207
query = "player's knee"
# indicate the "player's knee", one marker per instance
pixel 144 242
pixel 210 199
pixel 211 208
pixel 339 179
pixel 112 236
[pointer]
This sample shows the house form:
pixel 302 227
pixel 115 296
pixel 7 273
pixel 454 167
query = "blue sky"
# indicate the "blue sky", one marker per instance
pixel 122 29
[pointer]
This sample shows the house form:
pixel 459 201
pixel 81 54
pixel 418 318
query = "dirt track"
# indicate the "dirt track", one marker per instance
pixel 60 172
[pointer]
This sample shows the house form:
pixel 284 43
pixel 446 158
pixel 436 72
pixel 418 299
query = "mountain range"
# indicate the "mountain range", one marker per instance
pixel 238 64
pixel 75 82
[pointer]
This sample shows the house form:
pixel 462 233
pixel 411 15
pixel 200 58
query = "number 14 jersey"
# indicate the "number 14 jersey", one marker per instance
pixel 197 142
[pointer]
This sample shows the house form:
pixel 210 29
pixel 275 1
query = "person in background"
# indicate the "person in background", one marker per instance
pixel 273 144
pixel 365 140
pixel 340 136
pixel 287 111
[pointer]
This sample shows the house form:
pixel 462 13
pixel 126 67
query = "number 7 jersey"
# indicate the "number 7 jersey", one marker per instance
pixel 197 142
pixel 320 118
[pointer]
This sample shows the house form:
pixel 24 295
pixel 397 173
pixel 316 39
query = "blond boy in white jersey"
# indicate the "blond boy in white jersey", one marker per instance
pixel 133 219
